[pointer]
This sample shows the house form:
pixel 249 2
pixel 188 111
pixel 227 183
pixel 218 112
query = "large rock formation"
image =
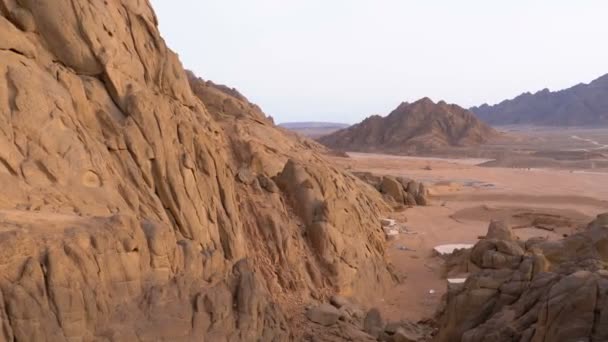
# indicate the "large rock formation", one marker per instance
pixel 532 291
pixel 417 127
pixel 581 105
pixel 136 209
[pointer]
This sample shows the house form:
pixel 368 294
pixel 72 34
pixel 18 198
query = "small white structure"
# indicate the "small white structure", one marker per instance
pixel 457 280
pixel 449 249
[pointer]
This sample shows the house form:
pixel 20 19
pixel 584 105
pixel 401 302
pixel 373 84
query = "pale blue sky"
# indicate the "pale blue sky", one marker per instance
pixel 342 60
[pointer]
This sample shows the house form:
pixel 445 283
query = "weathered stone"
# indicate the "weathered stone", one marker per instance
pixel 499 230
pixel 413 188
pixel 526 297
pixel 373 323
pixel 122 217
pixel 268 184
pixel 245 176
pixel 410 199
pixel 393 188
pixel 401 335
pixel 323 314
pixel 421 200
pixel 338 301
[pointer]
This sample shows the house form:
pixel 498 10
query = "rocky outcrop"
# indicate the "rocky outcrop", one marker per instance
pixel 134 208
pixel 397 190
pixel 534 291
pixel 347 321
pixel 422 126
pixel 581 105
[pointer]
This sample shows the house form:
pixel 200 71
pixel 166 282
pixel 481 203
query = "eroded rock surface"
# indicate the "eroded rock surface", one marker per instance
pixel 535 291
pixel 136 209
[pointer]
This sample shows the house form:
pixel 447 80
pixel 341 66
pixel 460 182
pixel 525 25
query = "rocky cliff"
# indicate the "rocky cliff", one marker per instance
pixel 136 209
pixel 581 105
pixel 417 127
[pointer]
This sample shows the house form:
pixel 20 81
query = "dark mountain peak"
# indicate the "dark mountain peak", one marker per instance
pixel 580 105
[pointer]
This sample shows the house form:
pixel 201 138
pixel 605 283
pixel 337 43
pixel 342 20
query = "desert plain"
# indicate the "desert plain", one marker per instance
pixel 550 201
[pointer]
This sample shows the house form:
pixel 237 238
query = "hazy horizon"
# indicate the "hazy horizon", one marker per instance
pixel 345 60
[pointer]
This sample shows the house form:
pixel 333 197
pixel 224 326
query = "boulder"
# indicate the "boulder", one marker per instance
pixel 410 199
pixel 245 176
pixel 404 181
pixel 393 188
pixel 499 230
pixel 421 200
pixel 323 314
pixel 402 335
pixel 268 184
pixel 338 301
pixel 373 323
pixel 413 188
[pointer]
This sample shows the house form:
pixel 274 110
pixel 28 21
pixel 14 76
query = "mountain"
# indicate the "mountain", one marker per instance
pixel 410 128
pixel 313 129
pixel 141 203
pixel 581 105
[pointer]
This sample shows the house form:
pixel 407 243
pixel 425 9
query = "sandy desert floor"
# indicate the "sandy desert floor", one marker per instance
pixel 465 197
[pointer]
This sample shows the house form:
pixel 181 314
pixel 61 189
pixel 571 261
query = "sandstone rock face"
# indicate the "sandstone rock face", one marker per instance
pixel 550 291
pixel 411 128
pixel 123 214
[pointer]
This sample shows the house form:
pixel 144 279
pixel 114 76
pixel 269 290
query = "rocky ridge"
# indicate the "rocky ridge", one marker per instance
pixel 421 126
pixel 581 105
pixel 136 206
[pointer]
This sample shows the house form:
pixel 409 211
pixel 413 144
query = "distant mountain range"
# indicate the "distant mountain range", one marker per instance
pixel 581 105
pixel 411 128
pixel 313 129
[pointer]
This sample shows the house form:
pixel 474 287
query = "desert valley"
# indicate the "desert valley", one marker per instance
pixel 144 202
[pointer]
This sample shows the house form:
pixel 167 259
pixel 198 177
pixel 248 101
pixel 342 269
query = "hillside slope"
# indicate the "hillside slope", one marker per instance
pixel 581 105
pixel 410 128
pixel 134 208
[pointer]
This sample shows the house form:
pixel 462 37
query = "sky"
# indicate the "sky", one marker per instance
pixel 343 60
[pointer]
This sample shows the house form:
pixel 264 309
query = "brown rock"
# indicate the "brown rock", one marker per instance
pixel 245 176
pixel 410 199
pixel 499 230
pixel 401 335
pixel 527 297
pixel 338 301
pixel 373 323
pixel 393 188
pixel 121 213
pixel 413 188
pixel 323 314
pixel 268 184
pixel 421 200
